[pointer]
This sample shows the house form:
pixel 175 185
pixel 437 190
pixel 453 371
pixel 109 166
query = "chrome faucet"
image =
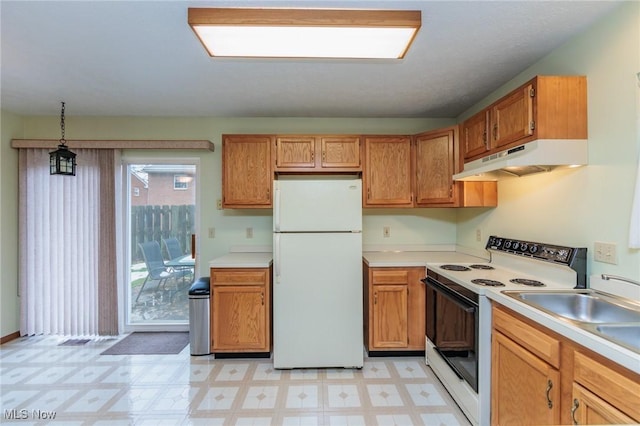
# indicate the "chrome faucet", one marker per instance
pixel 618 278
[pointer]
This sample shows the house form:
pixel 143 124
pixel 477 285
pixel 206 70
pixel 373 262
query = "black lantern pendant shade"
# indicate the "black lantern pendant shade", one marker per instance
pixel 62 161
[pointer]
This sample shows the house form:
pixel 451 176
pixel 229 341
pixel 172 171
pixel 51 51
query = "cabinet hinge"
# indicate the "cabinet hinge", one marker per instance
pixel 532 93
pixel 532 125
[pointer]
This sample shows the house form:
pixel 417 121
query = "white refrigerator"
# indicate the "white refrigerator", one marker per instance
pixel 317 259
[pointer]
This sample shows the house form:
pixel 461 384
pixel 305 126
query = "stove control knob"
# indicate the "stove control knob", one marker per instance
pixel 507 244
pixel 516 245
pixel 533 249
pixel 524 247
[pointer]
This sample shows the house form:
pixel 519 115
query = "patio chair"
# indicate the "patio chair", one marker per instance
pixel 172 245
pixel 174 251
pixel 156 269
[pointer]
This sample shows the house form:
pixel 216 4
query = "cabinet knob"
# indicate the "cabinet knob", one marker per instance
pixel 262 298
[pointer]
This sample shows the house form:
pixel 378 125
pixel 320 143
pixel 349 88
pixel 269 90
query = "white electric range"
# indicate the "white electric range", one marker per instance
pixel 458 314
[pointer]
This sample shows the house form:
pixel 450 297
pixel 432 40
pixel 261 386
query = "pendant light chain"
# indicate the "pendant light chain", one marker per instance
pixel 62 141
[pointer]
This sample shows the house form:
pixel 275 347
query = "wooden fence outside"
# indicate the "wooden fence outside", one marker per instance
pixel 153 223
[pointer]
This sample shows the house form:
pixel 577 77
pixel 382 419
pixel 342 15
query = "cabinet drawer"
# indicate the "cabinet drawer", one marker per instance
pixel 390 277
pixel 536 341
pixel 618 389
pixel 238 277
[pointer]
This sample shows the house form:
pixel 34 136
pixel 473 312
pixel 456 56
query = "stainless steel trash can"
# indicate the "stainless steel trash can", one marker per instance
pixel 199 305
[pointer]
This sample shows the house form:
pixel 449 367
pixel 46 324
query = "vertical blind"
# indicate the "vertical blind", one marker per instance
pixel 67 246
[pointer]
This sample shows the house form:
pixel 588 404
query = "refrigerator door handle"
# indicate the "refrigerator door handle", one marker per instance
pixel 276 207
pixel 276 257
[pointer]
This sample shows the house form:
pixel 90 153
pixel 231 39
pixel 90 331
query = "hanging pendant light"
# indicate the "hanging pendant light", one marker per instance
pixel 62 161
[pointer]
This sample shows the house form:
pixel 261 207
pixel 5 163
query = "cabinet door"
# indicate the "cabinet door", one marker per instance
pixel 512 117
pixel 475 135
pixel 434 170
pixel 295 152
pixel 340 152
pixel 389 316
pixel 619 387
pixel 247 171
pixel 239 319
pixel 589 409
pixel 387 176
pixel 416 305
pixel 524 389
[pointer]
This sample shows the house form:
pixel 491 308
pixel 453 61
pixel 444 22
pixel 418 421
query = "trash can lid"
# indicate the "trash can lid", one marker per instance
pixel 201 286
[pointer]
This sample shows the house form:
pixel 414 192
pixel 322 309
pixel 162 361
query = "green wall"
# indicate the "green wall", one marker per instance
pixel 11 127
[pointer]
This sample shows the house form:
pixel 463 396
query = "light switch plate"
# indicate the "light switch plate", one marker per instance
pixel 605 252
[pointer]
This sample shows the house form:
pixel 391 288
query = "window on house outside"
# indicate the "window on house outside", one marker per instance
pixel 181 182
pixel 136 192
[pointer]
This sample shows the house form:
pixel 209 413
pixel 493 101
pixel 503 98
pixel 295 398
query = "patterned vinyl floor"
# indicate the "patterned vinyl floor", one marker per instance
pixel 42 382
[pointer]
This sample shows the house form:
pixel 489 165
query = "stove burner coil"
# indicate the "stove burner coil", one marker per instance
pixel 527 282
pixel 455 268
pixel 481 266
pixel 488 283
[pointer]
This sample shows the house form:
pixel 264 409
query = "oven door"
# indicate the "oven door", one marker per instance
pixel 452 326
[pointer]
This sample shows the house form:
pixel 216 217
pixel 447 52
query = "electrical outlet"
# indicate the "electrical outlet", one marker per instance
pixel 212 232
pixel 605 252
pixel 478 235
pixel 249 232
pixel 219 204
pixel 386 232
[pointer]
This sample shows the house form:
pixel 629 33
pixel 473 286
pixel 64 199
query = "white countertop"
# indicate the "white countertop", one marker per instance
pixel 243 260
pixel 384 259
pixel 616 353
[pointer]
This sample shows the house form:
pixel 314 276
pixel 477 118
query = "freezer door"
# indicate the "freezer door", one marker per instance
pixel 317 300
pixel 317 205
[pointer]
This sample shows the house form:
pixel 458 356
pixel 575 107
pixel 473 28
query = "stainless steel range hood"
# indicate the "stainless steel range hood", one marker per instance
pixel 542 155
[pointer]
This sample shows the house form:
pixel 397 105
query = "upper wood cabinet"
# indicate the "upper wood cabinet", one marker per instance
pixel 247 171
pixel 434 167
pixel 546 107
pixel 394 168
pixel 387 174
pixel 309 153
pixel 436 160
pixel 474 135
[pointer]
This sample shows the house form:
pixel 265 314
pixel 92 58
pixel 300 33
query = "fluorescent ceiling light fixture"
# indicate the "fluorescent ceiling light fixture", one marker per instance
pixel 305 33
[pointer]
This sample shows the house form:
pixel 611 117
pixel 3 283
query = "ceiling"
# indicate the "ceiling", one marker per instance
pixel 140 58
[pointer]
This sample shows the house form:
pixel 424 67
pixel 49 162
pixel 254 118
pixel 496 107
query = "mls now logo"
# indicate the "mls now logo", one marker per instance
pixel 26 414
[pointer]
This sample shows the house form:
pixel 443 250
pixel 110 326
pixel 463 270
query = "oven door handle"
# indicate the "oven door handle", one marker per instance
pixel 452 296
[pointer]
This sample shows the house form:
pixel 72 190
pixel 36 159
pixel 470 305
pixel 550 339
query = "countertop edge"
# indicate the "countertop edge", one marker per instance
pixel 609 350
pixel 243 260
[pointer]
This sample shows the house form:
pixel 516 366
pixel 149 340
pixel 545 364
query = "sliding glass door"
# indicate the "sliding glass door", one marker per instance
pixel 161 213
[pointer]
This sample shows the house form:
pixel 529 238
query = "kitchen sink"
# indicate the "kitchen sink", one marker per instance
pixel 610 317
pixel 624 334
pixel 584 307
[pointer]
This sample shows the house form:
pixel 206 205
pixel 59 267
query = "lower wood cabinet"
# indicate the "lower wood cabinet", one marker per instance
pixel 394 308
pixel 240 310
pixel 523 386
pixel 539 377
